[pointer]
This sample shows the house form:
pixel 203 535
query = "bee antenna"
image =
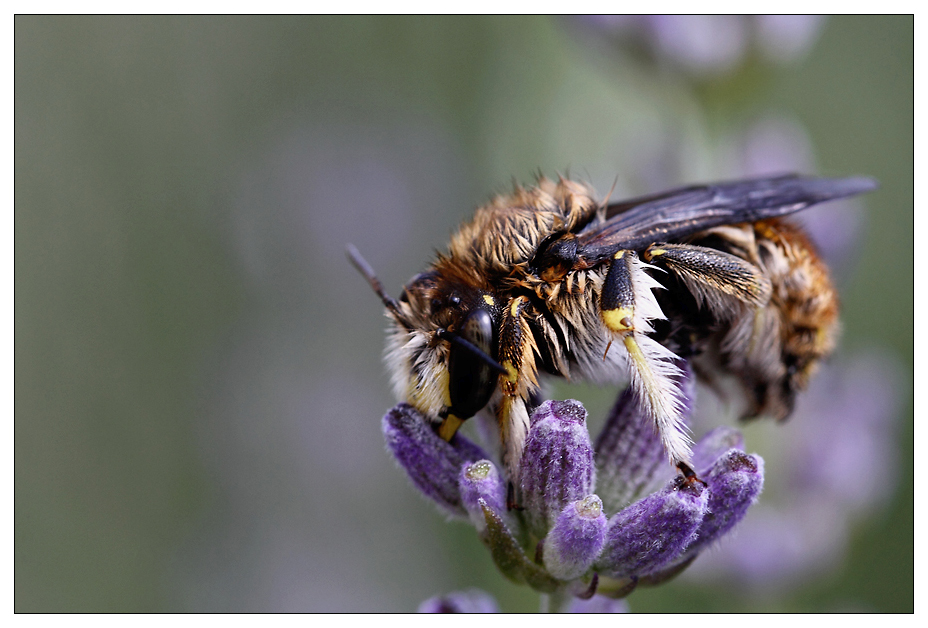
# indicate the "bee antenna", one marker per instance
pixel 354 256
pixel 452 337
pixel 605 202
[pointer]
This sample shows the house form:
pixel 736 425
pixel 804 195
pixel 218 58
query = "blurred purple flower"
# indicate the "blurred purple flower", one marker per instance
pixel 470 601
pixel 597 604
pixel 476 601
pixel 711 45
pixel 836 458
pixel 777 144
pixel 560 541
pixel 787 38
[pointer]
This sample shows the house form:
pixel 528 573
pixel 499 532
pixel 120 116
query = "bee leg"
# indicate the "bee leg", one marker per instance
pixel 721 281
pixel 626 306
pixel 516 354
pixel 449 427
pixel 688 474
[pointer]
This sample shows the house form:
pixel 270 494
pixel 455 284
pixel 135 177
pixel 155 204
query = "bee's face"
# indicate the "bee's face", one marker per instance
pixel 441 356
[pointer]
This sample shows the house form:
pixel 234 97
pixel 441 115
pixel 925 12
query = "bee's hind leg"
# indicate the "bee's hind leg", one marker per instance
pixel 723 282
pixel 626 307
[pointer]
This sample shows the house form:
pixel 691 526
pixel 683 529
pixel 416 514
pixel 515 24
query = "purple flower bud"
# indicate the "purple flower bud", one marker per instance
pixel 557 462
pixel 735 482
pixel 481 480
pixel 628 453
pixel 654 531
pixel 576 539
pixel 432 464
pixel 630 460
pixel 470 601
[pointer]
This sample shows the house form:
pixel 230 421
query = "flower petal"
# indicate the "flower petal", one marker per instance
pixel 597 604
pixel 628 453
pixel 713 445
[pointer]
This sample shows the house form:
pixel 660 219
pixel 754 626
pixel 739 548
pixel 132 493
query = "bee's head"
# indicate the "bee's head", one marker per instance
pixel 442 347
pixel 442 342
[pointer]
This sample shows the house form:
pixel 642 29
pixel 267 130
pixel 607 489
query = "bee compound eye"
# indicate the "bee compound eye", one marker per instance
pixel 471 379
pixel 478 329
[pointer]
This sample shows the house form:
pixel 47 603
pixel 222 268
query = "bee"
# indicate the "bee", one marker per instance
pixel 548 280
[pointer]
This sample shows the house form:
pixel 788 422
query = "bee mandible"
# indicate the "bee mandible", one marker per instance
pixel 548 280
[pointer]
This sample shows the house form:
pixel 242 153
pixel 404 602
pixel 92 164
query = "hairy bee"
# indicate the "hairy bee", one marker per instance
pixel 548 280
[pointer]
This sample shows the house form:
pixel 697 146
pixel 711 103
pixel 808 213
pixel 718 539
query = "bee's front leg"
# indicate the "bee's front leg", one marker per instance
pixel 626 307
pixel 517 356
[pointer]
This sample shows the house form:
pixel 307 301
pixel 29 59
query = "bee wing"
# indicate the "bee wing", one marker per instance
pixel 639 222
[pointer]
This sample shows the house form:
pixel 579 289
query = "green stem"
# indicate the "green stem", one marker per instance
pixel 554 602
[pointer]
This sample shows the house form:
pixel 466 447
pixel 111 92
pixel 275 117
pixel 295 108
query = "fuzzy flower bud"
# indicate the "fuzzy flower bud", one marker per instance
pixel 432 464
pixel 576 538
pixel 650 533
pixel 630 459
pixel 628 453
pixel 557 463
pixel 481 480
pixel 735 482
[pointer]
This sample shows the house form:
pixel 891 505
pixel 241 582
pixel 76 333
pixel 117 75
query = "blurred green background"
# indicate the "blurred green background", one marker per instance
pixel 198 380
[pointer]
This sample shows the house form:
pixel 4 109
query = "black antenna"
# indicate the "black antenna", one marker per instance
pixel 452 337
pixel 365 269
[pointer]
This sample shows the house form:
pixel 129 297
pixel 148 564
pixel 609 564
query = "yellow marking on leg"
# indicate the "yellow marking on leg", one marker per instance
pixel 619 319
pixel 514 307
pixel 635 352
pixel 512 375
pixel 449 427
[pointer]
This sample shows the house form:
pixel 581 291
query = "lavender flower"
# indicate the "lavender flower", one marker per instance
pixel 712 45
pixel 560 539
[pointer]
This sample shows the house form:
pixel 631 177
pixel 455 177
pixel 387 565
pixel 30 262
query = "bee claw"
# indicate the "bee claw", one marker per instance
pixel 689 474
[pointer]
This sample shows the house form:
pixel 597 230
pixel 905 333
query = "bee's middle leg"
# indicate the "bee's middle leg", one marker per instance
pixel 626 306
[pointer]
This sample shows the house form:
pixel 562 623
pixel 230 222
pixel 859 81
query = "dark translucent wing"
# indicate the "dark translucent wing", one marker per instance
pixel 637 223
